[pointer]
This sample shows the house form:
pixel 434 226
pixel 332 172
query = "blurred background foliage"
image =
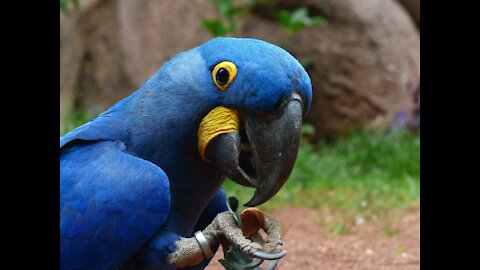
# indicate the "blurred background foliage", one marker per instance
pixel 360 153
pixel 233 13
pixel 66 5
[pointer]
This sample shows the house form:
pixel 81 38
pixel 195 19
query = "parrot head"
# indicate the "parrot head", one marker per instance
pixel 251 96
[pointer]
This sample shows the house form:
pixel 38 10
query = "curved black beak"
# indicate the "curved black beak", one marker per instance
pixel 263 153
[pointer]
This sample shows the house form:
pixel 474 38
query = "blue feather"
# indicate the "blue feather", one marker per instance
pixel 107 214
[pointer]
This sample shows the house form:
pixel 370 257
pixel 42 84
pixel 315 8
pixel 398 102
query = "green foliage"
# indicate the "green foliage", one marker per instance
pixel 65 5
pixel 360 155
pixel 294 21
pixel 360 176
pixel 234 208
pixel 230 17
pixel 215 26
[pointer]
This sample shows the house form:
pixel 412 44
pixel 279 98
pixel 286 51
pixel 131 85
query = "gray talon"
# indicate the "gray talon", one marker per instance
pixel 268 256
pixel 253 264
pixel 272 265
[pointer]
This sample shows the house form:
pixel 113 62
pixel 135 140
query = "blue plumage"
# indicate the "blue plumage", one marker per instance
pixel 132 181
pixel 107 213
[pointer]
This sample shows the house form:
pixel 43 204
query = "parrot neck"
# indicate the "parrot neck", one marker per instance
pixel 163 126
pixel 162 129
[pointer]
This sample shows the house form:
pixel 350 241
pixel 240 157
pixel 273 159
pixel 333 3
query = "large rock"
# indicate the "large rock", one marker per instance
pixel 365 60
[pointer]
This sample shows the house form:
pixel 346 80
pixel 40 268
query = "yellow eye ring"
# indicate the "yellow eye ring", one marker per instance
pixel 223 74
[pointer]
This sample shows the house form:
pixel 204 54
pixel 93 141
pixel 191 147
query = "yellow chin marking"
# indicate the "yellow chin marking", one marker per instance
pixel 218 121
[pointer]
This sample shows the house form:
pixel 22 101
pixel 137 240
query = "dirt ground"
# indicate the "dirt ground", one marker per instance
pixel 311 246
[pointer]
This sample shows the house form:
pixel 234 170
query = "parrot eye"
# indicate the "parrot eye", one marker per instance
pixel 223 74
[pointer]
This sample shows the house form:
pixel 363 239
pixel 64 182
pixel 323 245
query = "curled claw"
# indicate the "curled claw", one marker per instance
pixel 253 264
pixel 270 256
pixel 247 249
pixel 272 265
pixel 274 239
pixel 234 235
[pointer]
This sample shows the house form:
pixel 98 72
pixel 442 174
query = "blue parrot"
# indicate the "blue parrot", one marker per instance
pixel 148 171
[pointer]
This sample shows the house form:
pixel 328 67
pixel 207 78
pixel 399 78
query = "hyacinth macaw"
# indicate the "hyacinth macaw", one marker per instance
pixel 138 180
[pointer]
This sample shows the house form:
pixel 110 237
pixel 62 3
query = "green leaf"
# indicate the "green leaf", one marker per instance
pixel 215 26
pixel 297 20
pixel 233 206
pixel 283 17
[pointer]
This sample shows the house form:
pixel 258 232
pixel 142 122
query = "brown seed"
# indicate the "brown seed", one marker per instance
pixel 252 221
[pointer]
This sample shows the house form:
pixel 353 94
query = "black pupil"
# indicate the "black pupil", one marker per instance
pixel 222 76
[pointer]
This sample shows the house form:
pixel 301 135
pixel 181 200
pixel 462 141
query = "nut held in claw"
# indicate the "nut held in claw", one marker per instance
pixel 252 221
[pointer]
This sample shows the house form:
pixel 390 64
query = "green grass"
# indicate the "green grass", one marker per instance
pixel 362 175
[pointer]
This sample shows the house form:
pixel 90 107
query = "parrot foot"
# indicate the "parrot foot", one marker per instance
pixel 224 230
pixel 273 244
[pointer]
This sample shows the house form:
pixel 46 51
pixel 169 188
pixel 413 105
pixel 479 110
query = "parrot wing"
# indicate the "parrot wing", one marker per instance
pixel 106 126
pixel 111 203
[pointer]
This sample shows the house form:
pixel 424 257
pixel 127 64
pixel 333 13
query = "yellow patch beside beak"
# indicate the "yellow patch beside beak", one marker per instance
pixel 218 121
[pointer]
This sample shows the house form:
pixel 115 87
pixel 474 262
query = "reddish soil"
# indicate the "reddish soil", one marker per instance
pixel 311 246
